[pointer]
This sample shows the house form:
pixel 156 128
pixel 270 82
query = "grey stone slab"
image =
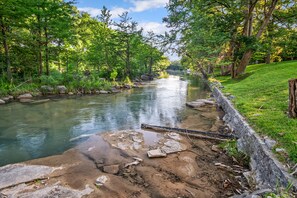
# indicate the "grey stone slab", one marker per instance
pixel 20 173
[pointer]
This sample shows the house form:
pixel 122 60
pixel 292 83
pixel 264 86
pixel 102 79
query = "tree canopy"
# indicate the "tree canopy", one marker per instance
pixel 44 37
pixel 229 35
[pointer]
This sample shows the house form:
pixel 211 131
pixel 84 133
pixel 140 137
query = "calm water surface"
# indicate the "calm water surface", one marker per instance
pixel 34 131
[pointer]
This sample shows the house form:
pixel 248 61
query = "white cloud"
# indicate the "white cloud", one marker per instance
pixel 92 11
pixel 158 28
pixel 116 11
pixel 142 5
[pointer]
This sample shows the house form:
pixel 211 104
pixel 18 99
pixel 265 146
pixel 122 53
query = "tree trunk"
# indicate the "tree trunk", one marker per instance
pixel 7 59
pixel 268 58
pixel 248 54
pixel 46 51
pixel 293 98
pixel 201 69
pixel 151 65
pixel 39 47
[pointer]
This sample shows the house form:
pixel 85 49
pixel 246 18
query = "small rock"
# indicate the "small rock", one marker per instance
pixel 97 92
pixel 269 142
pixel 138 159
pixel 100 181
pixel 10 97
pixel 61 89
pixel 70 93
pixel 25 96
pixel 135 163
pixel 174 136
pixel 128 86
pixel 156 153
pixel 112 169
pixel 215 148
pixel 6 99
pixel 46 89
pixel 2 102
pixel 103 92
pixel 280 150
pixel 172 146
pixel 231 97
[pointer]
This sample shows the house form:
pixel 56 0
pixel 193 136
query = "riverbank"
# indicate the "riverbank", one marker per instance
pixel 117 165
pixel 46 93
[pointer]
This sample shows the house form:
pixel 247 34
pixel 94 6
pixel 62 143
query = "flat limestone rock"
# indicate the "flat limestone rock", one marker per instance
pixel 14 174
pixel 172 146
pixel 156 153
pixel 200 103
pixel 51 191
pixel 2 101
pixel 25 96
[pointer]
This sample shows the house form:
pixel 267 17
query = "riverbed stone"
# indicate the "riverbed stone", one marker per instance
pixel 172 146
pixel 103 92
pixel 15 174
pixel 112 169
pixel 45 89
pixel 100 181
pixel 25 96
pixel 55 190
pixel 156 153
pixel 61 89
pixel 2 102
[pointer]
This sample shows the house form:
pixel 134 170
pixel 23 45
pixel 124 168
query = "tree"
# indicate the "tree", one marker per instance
pixel 127 38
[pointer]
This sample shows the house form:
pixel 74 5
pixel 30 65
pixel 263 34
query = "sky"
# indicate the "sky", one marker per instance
pixel 148 13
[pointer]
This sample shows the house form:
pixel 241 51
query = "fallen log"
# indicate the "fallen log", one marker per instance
pixel 192 133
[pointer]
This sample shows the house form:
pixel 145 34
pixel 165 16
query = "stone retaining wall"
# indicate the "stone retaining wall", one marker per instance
pixel 268 171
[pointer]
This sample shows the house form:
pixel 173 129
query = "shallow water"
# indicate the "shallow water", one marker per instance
pixel 34 131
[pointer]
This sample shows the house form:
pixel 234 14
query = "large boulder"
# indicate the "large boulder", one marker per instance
pixel 103 92
pixel 2 102
pixel 25 96
pixel 146 77
pixel 45 89
pixel 7 98
pixel 61 89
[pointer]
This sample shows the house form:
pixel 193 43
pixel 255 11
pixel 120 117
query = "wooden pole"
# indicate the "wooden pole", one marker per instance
pixel 293 98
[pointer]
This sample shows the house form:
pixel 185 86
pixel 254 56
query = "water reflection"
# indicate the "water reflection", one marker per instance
pixel 32 131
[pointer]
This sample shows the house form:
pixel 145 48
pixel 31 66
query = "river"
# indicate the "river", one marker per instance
pixel 33 131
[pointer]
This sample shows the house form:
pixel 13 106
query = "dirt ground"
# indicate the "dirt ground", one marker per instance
pixel 117 165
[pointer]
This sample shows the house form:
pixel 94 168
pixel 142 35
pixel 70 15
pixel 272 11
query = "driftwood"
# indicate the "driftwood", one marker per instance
pixel 293 98
pixel 192 133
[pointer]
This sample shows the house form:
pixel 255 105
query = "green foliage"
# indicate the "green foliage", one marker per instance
pixel 230 148
pixel 262 97
pixel 56 42
pixel 113 75
pixel 127 81
pixel 163 74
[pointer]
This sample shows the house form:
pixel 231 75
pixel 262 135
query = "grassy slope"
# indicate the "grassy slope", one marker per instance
pixel 262 97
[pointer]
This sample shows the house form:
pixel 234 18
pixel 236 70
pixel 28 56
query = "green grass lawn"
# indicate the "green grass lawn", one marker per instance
pixel 261 95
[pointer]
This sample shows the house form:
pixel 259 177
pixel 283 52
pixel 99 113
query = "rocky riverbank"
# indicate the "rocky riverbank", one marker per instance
pixel 123 164
pixel 46 93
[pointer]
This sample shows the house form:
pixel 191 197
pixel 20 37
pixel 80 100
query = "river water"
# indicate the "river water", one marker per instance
pixel 39 130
